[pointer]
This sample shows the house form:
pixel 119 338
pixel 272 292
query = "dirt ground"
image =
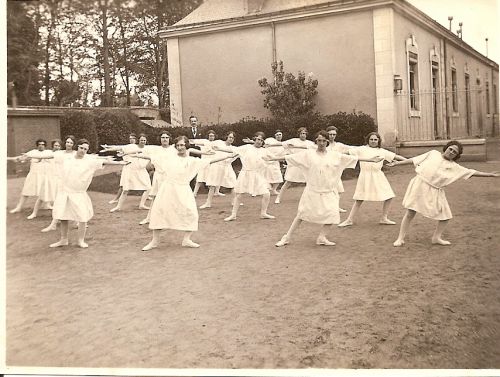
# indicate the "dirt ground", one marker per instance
pixel 240 302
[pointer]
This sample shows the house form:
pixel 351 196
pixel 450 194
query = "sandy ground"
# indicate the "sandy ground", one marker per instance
pixel 240 302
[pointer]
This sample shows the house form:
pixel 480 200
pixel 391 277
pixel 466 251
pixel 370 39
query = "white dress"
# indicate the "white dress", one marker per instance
pixel 157 153
pixel 37 181
pixel 175 205
pixel 206 147
pixel 319 202
pixel 72 201
pixel 293 173
pixel 372 183
pixel 135 175
pixel 222 173
pixel 251 179
pixel 425 193
pixel 273 170
pixel 340 148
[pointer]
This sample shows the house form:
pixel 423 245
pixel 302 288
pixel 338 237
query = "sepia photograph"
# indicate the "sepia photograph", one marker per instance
pixel 251 188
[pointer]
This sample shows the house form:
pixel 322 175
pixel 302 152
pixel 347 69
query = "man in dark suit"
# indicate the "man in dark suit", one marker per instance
pixel 195 134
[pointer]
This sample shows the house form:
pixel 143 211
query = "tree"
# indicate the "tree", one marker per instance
pixel 288 96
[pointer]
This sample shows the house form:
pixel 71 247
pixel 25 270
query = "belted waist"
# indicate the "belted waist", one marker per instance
pixel 426 181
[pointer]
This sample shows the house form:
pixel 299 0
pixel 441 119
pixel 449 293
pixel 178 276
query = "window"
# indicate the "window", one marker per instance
pixel 413 79
pixel 495 99
pixel 454 90
pixel 487 97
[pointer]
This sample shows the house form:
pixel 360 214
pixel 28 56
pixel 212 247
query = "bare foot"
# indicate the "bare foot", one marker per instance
pixel 277 200
pixel 48 229
pixel 324 241
pixel 59 243
pixel 345 223
pixel 398 243
pixel 387 222
pixel 143 222
pixel 15 210
pixel 144 207
pixel 267 216
pixel 440 241
pixel 83 244
pixel 230 218
pixel 113 201
pixel 189 243
pixel 150 246
pixel 342 210
pixel 284 241
pixel 206 205
pixel 115 209
pixel 31 217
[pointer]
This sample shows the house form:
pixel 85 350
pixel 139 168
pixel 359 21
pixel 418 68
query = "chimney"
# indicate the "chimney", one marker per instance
pixel 253 6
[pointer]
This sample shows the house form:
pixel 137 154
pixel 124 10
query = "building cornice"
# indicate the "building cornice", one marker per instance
pixel 332 7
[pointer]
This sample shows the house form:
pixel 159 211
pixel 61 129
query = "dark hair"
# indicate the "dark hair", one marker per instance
pixel 182 137
pixel 144 136
pixel 82 141
pixel 321 133
pixel 55 141
pixel 212 132
pixel 227 133
pixel 458 144
pixel 367 137
pixel 300 130
pixel 193 116
pixel 72 137
pixel 164 132
pixel 40 141
pixel 278 130
pixel 261 134
pixel 331 128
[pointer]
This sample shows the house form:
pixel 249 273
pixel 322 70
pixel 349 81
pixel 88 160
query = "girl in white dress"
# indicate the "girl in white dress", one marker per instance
pixel 72 202
pixel 292 173
pixel 205 146
pixel 221 174
pixel 273 169
pixel 36 183
pixel 135 175
pixel 425 192
pixel 132 139
pixel 251 179
pixel 175 205
pixel 372 183
pixel 57 164
pixel 319 202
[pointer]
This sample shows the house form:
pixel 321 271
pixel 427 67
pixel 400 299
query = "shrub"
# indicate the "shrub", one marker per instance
pixel 81 124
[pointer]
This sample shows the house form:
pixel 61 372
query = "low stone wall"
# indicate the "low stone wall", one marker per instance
pixel 474 149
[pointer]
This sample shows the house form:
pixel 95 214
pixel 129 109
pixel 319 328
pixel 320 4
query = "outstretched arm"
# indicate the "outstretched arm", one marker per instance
pixel 139 155
pixel 216 148
pixel 223 158
pixel 400 162
pixel 486 174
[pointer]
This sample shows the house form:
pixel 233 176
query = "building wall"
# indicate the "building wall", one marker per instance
pixel 450 124
pixel 219 74
pixel 338 50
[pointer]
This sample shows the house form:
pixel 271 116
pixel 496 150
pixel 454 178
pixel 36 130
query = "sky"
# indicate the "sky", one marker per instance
pixel 480 20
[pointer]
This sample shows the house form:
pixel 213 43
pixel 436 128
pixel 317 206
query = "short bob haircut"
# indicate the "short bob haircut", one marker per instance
pixel 71 137
pixel 332 128
pixel 300 130
pixel 227 133
pixel 212 132
pixel 82 141
pixel 186 141
pixel 321 133
pixel 458 144
pixel 55 141
pixel 39 141
pixel 278 131
pixel 164 132
pixel 260 134
pixel 144 136
pixel 367 138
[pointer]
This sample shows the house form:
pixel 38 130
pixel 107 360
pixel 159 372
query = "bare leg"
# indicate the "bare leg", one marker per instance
pixel 236 205
pixel 20 204
pixel 64 235
pixel 82 229
pixel 211 193
pixel 354 210
pixel 264 205
pixel 196 188
pixel 286 238
pixel 154 242
pixel 437 237
pixel 282 190
pixel 405 226
pixel 144 197
pixel 186 241
pixel 36 207
pixel 385 211
pixel 52 226
pixel 218 193
pixel 341 210
pixel 117 196
pixel 274 189
pixel 119 206
pixel 322 240
pixel 148 216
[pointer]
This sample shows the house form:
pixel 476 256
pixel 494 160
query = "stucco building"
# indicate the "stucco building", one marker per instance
pixel 386 58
